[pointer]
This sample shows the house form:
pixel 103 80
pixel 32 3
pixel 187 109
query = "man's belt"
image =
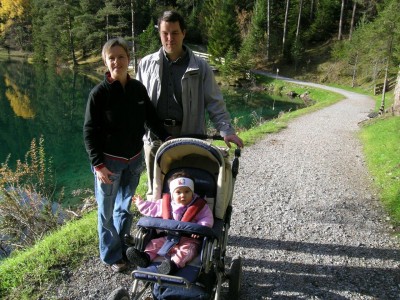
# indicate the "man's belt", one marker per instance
pixel 172 122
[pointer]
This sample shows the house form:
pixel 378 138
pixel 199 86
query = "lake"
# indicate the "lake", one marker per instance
pixel 36 101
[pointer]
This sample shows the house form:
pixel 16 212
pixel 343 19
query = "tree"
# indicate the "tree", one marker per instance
pixel 112 16
pixel 254 45
pixel 148 41
pixel 15 23
pixel 223 31
pixel 53 29
pixel 321 28
pixel 374 43
pixel 88 31
pixel 193 11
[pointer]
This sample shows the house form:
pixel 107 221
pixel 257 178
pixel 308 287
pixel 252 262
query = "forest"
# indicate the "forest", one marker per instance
pixel 363 35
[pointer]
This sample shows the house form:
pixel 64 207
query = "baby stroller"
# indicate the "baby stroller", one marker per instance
pixel 214 178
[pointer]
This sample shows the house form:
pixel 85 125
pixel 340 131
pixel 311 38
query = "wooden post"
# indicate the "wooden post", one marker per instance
pixel 396 100
pixel 382 108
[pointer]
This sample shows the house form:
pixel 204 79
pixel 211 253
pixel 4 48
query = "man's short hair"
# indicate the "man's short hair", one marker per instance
pixel 172 16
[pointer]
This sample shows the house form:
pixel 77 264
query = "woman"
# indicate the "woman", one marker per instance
pixel 116 114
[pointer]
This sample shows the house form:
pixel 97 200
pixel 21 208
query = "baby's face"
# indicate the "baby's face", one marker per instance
pixel 183 195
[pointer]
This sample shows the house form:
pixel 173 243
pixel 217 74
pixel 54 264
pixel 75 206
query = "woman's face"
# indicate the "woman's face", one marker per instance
pixel 117 61
pixel 182 195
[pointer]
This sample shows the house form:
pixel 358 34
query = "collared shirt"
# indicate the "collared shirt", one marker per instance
pixel 169 105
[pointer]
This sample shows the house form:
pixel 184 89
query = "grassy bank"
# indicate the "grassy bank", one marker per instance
pixel 25 274
pixel 381 139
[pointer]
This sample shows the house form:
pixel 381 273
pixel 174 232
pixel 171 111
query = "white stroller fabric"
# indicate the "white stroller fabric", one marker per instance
pixel 190 152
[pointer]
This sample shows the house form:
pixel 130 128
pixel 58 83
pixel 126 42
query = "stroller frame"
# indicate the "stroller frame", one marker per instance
pixel 212 165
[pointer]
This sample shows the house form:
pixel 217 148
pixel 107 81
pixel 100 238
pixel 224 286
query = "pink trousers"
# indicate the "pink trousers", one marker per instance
pixel 181 253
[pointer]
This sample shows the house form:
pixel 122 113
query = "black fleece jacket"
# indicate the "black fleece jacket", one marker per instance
pixel 115 120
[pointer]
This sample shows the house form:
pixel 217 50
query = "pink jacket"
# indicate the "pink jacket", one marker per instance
pixel 154 209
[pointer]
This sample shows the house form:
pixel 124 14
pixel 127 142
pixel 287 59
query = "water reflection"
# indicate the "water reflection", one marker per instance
pixel 20 102
pixel 250 107
pixel 36 100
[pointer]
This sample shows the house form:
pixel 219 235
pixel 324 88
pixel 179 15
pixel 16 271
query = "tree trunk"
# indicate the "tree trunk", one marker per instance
pixel 133 8
pixel 285 25
pixel 354 72
pixel 107 26
pixel 312 10
pixel 341 21
pixel 396 101
pixel 352 19
pixel 71 39
pixel 298 20
pixel 268 34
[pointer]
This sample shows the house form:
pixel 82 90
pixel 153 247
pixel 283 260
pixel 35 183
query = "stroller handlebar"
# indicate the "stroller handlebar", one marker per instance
pixel 203 136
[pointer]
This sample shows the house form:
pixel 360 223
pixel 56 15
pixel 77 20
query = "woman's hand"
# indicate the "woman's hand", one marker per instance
pixel 104 175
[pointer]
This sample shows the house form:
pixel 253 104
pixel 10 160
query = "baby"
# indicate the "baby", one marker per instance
pixel 182 205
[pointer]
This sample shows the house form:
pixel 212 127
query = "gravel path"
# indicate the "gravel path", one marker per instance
pixel 306 220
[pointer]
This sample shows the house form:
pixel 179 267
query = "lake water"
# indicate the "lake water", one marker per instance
pixel 40 101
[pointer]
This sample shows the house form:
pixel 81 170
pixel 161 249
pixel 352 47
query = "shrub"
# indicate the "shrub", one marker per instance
pixel 28 208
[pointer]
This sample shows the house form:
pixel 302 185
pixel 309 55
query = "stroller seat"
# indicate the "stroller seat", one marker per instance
pixel 205 187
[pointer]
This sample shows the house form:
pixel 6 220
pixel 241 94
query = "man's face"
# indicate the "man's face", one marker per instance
pixel 171 37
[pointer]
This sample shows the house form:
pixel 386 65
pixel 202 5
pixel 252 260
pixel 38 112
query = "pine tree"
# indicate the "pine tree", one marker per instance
pixel 254 45
pixel 148 41
pixel 223 31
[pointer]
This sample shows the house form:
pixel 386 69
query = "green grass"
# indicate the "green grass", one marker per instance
pixel 381 140
pixel 25 274
pixel 25 271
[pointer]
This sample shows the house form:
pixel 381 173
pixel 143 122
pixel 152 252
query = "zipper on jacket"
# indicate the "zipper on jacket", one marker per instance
pixel 190 100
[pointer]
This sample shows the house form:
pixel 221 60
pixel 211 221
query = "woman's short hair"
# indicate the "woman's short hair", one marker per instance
pixel 118 41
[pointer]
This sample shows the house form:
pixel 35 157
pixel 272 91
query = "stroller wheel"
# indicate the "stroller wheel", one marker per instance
pixel 235 278
pixel 119 294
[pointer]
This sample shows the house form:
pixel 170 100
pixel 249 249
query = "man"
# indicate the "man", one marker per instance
pixel 181 87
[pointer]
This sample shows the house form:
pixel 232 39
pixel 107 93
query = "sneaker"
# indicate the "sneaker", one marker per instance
pixel 167 267
pixel 119 266
pixel 141 259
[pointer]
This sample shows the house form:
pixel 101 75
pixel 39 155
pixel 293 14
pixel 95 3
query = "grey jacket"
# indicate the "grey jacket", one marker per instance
pixel 200 92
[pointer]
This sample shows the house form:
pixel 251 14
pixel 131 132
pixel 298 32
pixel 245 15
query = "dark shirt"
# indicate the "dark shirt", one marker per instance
pixel 169 105
pixel 115 120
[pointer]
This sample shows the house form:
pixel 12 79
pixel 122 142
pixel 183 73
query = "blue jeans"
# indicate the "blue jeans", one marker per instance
pixel 114 203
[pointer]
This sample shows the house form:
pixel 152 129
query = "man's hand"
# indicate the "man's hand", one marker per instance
pixel 233 138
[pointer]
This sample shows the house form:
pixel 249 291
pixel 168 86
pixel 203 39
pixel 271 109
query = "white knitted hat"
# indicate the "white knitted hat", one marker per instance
pixel 181 181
